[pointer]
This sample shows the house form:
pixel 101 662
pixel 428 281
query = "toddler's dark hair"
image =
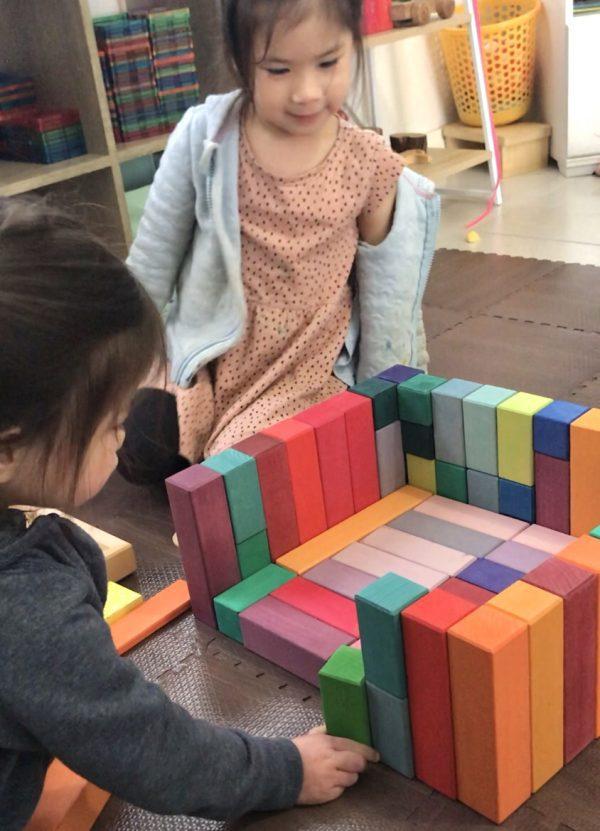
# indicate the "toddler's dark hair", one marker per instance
pixel 244 19
pixel 78 333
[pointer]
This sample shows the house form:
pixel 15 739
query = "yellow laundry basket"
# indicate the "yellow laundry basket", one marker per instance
pixel 508 33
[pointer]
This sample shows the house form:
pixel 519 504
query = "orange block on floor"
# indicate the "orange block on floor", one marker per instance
pixel 67 803
pixel 585 464
pixel 320 603
pixel 154 613
pixel 489 673
pixel 585 552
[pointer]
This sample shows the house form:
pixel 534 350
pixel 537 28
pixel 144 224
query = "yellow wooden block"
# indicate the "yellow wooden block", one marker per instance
pixel 119 601
pixel 339 536
pixel 515 436
pixel 543 613
pixel 421 472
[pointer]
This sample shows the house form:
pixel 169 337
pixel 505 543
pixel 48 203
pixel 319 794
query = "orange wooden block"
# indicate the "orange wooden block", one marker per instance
pixel 585 464
pixel 154 613
pixel 358 525
pixel 489 672
pixel 585 552
pixel 67 803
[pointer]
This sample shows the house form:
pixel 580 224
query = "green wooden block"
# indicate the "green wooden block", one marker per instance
pixel 344 695
pixel 253 554
pixel 414 398
pixel 479 414
pixel 379 605
pixel 451 481
pixel 417 439
pixel 243 492
pixel 385 400
pixel 421 473
pixel 390 728
pixel 229 604
pixel 595 532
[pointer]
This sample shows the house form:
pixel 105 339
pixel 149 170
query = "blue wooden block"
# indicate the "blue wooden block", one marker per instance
pixel 516 500
pixel 489 575
pixel 390 729
pixel 483 490
pixel 447 402
pixel 399 373
pixel 551 427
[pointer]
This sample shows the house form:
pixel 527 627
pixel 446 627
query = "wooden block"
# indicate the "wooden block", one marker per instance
pixel 424 626
pixel 119 601
pixel 489 673
pixel 377 562
pixel 595 532
pixel 339 577
pixel 344 695
pixel 585 464
pixel 379 606
pixel 446 533
pixel 418 550
pixel 585 553
pixel 552 492
pixel 243 491
pixel 515 436
pixel 447 401
pixel 545 539
pixel 489 575
pixel 67 802
pixel 459 588
pixel 421 472
pixel 383 397
pixel 479 415
pixel 236 599
pixel 320 603
pixel 335 539
pixel 523 147
pixel 417 439
pixel 390 729
pixel 289 638
pixel 543 614
pixel 482 490
pixel 151 615
pixel 201 516
pixel 520 557
pixel 303 461
pixel 516 500
pixel 414 398
pixel 275 482
pixel 477 519
pixel 390 458
pixel 332 447
pixel 399 373
pixel 362 454
pixel 253 554
pixel 579 591
pixel 451 481
pixel 551 428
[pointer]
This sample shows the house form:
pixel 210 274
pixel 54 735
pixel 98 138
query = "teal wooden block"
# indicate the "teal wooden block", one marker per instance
pixel 479 417
pixel 418 440
pixel 390 729
pixel 253 554
pixel 230 603
pixel 243 492
pixel 595 532
pixel 483 490
pixel 447 402
pixel 344 695
pixel 451 481
pixel 379 605
pixel 383 397
pixel 414 398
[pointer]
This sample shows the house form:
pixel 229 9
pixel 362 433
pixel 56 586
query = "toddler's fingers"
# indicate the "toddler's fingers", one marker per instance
pixel 320 728
pixel 349 761
pixel 346 780
pixel 369 753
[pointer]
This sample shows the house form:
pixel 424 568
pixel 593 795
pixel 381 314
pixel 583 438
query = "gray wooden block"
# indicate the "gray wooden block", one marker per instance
pixel 447 401
pixel 446 533
pixel 390 458
pixel 390 729
pixel 481 441
pixel 483 490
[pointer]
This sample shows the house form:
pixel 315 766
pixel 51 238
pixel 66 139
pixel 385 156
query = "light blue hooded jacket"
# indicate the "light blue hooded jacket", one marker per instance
pixel 187 253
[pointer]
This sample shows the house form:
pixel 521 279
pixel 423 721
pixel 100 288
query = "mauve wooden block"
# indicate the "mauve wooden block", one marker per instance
pixel 552 492
pixel 515 555
pixel 289 638
pixel 339 577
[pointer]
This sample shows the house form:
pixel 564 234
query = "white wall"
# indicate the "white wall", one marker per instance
pixel 100 7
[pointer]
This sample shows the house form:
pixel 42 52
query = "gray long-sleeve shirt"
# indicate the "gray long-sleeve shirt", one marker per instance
pixel 66 693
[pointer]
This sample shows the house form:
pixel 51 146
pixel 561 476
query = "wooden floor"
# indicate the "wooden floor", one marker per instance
pixel 524 324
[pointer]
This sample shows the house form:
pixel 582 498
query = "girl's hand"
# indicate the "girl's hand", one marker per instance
pixel 330 764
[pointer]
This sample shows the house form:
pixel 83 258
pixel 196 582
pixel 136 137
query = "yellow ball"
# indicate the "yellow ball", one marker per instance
pixel 473 236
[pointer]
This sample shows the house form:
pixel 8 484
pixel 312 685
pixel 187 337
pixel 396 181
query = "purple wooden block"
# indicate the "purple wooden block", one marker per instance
pixel 290 638
pixel 489 575
pixel 399 373
pixel 552 493
pixel 515 555
pixel 339 577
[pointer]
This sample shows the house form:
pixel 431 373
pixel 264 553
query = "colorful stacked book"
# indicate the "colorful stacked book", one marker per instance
pixel 44 137
pixel 17 97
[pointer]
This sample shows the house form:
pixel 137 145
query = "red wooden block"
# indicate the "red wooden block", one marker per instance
pixel 424 628
pixel 201 515
pixel 320 603
pixel 579 590
pixel 552 493
pixel 276 489
pixel 460 588
pixel 334 462
pixel 362 452
pixel 303 461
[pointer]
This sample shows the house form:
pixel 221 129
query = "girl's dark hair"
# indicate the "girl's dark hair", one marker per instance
pixel 78 333
pixel 244 19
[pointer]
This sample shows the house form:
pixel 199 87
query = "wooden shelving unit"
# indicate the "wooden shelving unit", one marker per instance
pixel 404 32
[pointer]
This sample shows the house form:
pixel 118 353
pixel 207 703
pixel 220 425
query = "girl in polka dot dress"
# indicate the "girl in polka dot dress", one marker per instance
pixel 250 233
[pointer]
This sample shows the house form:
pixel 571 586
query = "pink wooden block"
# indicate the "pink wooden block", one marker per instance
pixel 338 577
pixel 478 519
pixel 418 550
pixel 544 539
pixel 374 561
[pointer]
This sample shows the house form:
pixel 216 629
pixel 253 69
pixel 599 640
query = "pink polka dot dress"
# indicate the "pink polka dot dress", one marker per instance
pixel 299 239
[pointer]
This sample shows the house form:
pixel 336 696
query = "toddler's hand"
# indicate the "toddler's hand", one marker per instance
pixel 330 765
